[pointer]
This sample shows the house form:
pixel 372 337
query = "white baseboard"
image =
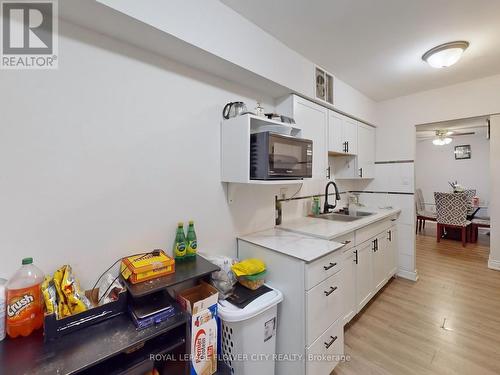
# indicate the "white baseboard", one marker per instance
pixel 494 264
pixel 409 275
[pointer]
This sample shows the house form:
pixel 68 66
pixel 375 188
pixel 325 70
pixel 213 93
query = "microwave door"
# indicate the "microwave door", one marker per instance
pixel 288 158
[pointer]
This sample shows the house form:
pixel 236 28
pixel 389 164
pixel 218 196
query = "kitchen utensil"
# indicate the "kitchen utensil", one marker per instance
pixel 233 109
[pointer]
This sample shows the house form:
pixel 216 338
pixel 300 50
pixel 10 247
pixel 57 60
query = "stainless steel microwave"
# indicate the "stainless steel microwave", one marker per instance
pixel 280 157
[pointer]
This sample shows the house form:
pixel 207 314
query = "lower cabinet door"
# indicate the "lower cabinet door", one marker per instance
pixel 392 251
pixel 364 274
pixel 349 285
pixel 323 306
pixel 324 353
pixel 379 262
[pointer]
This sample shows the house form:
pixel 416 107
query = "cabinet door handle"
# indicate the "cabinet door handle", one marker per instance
pixel 347 146
pixel 361 172
pixel 331 265
pixel 390 235
pixel 346 242
pixel 330 343
pixel 376 244
pixel 328 173
pixel 332 289
pixel 356 259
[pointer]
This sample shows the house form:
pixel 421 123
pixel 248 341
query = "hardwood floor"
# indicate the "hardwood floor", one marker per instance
pixel 446 323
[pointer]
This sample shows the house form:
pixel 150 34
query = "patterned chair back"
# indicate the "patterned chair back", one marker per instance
pixel 451 208
pixel 419 200
pixel 470 193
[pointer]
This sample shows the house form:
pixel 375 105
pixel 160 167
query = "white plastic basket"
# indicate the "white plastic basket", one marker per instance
pixel 249 334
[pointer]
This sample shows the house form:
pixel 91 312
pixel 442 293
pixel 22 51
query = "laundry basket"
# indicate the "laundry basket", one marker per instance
pixel 248 335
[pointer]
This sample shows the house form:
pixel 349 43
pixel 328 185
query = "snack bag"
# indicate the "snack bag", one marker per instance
pixel 250 266
pixel 62 306
pixel 50 296
pixel 76 300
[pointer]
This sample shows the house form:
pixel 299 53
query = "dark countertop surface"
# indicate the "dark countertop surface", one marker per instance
pixel 79 350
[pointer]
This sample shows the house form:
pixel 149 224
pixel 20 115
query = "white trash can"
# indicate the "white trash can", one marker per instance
pixel 249 334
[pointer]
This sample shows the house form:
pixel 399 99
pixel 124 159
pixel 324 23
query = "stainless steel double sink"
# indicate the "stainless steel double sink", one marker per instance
pixel 339 216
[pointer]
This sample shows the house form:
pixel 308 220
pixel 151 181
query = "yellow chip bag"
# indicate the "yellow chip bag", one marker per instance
pixel 247 267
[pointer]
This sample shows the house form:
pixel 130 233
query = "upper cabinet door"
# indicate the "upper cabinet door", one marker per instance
pixel 336 141
pixel 342 134
pixel 313 120
pixel 366 151
pixel 350 131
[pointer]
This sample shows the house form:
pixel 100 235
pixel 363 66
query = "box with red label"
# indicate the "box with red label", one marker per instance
pixel 201 303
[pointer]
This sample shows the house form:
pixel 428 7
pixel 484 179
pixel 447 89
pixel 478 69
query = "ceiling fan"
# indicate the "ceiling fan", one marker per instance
pixel 443 137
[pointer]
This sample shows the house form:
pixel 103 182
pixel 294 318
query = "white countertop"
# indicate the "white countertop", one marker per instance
pixel 328 229
pixel 310 238
pixel 296 245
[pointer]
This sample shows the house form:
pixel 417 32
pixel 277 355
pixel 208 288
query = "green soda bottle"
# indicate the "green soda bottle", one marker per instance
pixel 180 242
pixel 192 244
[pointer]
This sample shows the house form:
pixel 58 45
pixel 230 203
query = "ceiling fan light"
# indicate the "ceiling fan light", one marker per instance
pixel 445 55
pixel 447 141
pixel 438 142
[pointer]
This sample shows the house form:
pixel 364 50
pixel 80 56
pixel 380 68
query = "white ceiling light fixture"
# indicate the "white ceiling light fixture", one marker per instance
pixel 446 54
pixel 441 141
pixel 442 137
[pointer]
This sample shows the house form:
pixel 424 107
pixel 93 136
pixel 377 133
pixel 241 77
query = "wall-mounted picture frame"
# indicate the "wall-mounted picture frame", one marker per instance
pixel 462 152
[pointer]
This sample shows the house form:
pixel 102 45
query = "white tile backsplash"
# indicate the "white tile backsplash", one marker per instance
pixel 396 177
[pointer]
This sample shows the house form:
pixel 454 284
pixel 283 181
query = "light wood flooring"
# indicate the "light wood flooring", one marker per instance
pixel 446 323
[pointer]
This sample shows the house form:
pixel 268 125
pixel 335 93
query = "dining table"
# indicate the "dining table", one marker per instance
pixel 474 209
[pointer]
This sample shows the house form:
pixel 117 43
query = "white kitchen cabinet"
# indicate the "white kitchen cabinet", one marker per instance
pixel 366 151
pixel 323 302
pixel 313 120
pixel 392 251
pixel 311 314
pixel 364 274
pixel 379 249
pixel 349 284
pixel 342 134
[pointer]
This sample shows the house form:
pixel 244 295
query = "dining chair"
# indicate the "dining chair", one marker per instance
pixel 470 194
pixel 423 215
pixel 451 211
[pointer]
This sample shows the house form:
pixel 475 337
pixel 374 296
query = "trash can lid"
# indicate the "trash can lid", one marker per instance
pixel 231 313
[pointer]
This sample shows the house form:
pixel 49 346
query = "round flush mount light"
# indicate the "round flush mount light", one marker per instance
pixel 446 54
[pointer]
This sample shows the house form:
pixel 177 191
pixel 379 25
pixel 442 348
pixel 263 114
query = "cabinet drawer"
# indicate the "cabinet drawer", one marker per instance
pixel 323 355
pixel 324 306
pixel 322 268
pixel 372 230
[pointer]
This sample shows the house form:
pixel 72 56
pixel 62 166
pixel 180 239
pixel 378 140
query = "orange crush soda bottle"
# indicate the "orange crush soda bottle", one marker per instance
pixel 24 300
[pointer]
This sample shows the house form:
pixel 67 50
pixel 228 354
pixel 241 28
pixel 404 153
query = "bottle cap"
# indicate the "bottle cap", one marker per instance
pixel 191 222
pixel 27 261
pixel 180 224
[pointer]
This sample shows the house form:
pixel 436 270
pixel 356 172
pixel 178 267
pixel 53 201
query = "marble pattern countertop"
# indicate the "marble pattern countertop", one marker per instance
pixel 329 229
pixel 310 238
pixel 296 245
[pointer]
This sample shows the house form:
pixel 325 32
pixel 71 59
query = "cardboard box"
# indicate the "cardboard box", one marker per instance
pixel 201 303
pixel 145 267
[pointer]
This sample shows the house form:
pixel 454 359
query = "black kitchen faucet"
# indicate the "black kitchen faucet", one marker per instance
pixel 327 207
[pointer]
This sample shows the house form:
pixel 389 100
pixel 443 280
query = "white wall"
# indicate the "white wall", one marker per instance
pixel 214 27
pixel 435 166
pixel 396 138
pixel 102 157
pixel 397 117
